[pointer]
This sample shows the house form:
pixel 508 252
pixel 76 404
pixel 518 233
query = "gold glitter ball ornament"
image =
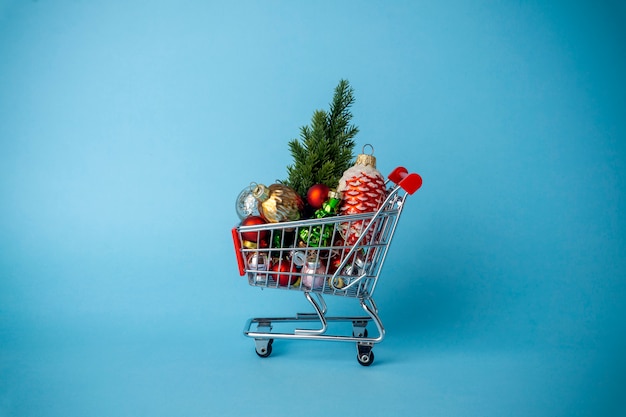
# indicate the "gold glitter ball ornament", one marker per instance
pixel 278 202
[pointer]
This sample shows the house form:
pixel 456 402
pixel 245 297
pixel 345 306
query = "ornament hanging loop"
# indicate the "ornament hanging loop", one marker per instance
pixel 366 159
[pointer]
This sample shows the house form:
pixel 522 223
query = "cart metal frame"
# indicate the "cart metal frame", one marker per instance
pixel 352 250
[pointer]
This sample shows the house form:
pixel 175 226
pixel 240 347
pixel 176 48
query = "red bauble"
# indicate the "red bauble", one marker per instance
pixel 257 236
pixel 317 195
pixel 334 264
pixel 282 266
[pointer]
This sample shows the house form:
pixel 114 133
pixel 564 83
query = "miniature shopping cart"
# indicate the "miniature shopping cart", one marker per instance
pixel 339 256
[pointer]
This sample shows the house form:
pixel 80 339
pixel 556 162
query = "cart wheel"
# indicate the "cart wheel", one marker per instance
pixel 265 351
pixel 365 359
pixel 263 348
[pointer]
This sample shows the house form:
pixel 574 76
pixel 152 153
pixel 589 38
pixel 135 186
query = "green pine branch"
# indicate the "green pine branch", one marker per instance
pixel 325 148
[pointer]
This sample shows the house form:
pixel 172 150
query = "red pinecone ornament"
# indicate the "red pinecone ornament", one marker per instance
pixel 363 190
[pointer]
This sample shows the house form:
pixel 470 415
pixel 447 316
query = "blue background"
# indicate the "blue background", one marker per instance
pixel 127 129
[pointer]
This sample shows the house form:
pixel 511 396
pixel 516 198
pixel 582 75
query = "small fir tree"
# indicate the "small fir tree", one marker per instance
pixel 325 148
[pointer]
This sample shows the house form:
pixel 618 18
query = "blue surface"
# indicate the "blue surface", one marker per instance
pixel 127 129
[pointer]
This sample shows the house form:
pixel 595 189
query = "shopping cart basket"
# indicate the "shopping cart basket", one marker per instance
pixel 339 256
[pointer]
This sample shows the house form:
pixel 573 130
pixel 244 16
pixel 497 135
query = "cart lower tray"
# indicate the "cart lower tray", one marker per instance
pixel 261 329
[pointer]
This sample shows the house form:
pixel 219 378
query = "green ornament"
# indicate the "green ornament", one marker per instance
pixel 317 236
pixel 321 235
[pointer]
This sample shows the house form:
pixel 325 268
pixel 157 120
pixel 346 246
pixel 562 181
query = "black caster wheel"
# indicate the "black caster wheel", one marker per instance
pixel 265 352
pixel 365 359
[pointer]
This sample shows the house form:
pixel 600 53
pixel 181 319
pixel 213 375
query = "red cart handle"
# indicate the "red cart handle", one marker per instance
pixel 409 182
pixel 237 242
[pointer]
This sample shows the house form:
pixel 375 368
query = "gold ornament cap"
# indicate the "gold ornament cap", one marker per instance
pixel 261 192
pixel 333 193
pixel 249 245
pixel 366 159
